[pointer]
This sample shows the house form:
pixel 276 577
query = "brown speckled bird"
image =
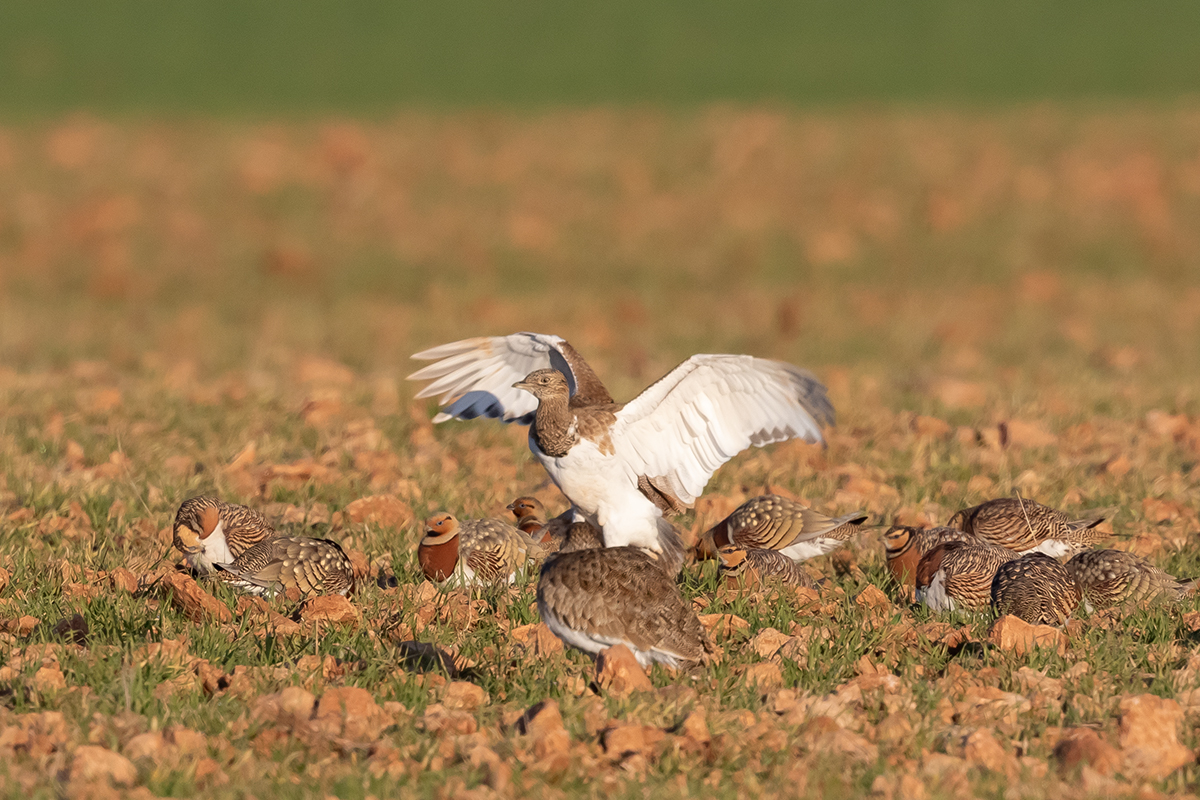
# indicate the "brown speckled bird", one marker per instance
pixel 531 518
pixel 750 568
pixel 563 532
pixel 1110 578
pixel 310 566
pixel 958 575
pixel 771 522
pixel 473 551
pixel 1028 527
pixel 594 599
pixel 209 531
pixel 1037 589
pixel 905 546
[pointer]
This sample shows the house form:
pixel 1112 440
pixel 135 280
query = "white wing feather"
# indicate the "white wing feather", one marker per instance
pixel 710 408
pixel 475 377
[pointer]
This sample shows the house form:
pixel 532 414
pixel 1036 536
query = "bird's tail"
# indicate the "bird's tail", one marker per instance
pixel 671 542
pixel 1091 518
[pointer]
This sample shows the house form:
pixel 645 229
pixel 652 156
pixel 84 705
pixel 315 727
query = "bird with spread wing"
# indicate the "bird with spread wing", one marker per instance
pixel 622 466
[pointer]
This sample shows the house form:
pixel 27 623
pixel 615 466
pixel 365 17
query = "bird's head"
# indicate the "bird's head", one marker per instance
pixel 543 383
pixel 896 539
pixel 732 558
pixel 524 507
pixel 440 528
pixel 195 521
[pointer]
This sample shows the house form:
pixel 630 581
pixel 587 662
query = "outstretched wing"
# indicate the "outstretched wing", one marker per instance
pixel 475 377
pixel 709 409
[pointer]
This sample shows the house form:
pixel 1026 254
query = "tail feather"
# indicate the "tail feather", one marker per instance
pixel 1091 517
pixel 672 547
pixel 236 575
pixel 1085 523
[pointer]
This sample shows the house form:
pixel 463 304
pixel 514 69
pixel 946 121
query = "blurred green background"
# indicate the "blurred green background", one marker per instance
pixel 271 57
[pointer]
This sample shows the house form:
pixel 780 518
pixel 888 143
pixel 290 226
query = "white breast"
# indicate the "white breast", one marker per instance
pixel 216 551
pixel 602 489
pixel 934 595
pixel 802 551
pixel 1055 548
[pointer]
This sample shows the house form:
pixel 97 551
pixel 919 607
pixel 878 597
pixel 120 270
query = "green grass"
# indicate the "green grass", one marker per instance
pixel 268 56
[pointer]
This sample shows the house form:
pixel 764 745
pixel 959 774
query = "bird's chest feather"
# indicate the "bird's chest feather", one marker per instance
pixel 1055 548
pixel 585 474
pixel 216 551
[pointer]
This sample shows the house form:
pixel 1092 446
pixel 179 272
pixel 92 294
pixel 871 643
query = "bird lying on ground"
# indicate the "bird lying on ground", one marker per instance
pixel 473 551
pixel 209 531
pixel 1037 589
pixel 1028 527
pixel 309 566
pixel 1110 578
pixel 771 522
pixel 750 568
pixel 905 546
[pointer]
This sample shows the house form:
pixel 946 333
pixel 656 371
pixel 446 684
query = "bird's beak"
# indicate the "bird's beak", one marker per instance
pixel 510 505
pixel 520 385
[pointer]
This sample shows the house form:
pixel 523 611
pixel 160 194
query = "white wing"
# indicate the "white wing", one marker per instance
pixel 709 409
pixel 475 377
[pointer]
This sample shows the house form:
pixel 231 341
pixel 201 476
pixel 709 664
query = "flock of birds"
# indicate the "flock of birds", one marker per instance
pixel 609 564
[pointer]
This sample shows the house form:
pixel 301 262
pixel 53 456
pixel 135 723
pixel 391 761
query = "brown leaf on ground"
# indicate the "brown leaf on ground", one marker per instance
pixel 1085 746
pixel 1013 633
pixel 954 393
pixel 291 708
pixel 192 601
pixel 93 763
pixel 825 736
pixel 350 712
pixel 537 639
pixel 981 747
pixel 764 676
pixel 767 642
pixel 724 626
pixel 1029 434
pixel 123 580
pixel 1148 731
pixel 619 673
pixel 384 510
pixel 626 739
pixel 930 426
pixel 329 608
pixel 464 695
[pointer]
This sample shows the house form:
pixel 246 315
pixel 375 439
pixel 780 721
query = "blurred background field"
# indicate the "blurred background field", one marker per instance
pixel 225 226
pixel 268 56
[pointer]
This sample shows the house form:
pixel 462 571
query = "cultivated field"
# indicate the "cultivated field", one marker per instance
pixel 999 301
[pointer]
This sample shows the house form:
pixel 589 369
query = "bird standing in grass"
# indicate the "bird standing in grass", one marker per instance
pixel 560 533
pixel 209 531
pixel 596 598
pixel 623 466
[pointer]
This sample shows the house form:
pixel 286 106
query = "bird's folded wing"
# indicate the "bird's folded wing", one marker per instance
pixel 709 409
pixel 475 377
